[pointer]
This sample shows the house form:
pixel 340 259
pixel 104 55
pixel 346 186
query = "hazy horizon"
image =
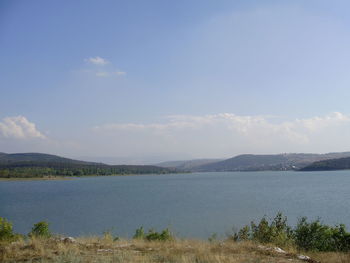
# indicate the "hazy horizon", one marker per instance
pixel 157 81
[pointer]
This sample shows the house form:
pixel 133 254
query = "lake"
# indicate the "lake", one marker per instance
pixel 192 205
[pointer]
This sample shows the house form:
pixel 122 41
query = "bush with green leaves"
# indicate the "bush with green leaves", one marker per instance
pixel 319 237
pixel 164 235
pixel 276 232
pixel 313 235
pixel 243 234
pixel 6 231
pixel 139 233
pixel 40 229
pixel 152 235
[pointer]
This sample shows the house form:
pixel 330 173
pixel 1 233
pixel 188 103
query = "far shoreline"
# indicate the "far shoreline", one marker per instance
pixel 64 178
pixel 49 178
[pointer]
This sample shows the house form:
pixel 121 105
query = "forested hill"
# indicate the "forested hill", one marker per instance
pixel 247 162
pixel 36 157
pixel 39 165
pixel 327 165
pixel 251 162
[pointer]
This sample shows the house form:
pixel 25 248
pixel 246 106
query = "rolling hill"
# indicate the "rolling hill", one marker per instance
pixel 251 162
pixel 36 157
pixel 328 165
pixel 39 165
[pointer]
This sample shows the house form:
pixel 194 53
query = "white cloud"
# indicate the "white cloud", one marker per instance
pixel 228 134
pixel 19 127
pixel 108 71
pixel 97 61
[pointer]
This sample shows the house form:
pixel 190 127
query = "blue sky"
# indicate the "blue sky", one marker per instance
pixel 155 80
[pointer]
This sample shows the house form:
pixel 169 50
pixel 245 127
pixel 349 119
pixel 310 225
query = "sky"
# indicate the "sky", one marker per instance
pixel 151 81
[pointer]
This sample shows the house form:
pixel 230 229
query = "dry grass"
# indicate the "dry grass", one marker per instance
pixel 94 249
pixel 331 257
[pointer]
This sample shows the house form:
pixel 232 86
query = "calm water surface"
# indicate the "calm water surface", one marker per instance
pixel 192 205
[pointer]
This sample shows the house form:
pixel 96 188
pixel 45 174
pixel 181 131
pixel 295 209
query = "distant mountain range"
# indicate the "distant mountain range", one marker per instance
pixel 39 165
pixel 251 162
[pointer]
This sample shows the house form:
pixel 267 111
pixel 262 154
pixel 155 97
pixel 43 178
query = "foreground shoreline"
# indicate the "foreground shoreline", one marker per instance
pixel 105 249
pixel 266 242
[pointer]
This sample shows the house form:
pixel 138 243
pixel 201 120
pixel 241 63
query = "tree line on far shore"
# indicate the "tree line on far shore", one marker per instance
pixel 42 169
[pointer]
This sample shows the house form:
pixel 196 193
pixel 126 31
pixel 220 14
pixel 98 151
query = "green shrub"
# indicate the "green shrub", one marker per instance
pixel 152 235
pixel 313 235
pixel 319 237
pixel 243 234
pixel 139 233
pixel 40 229
pixel 341 238
pixel 165 235
pixel 276 232
pixel 6 231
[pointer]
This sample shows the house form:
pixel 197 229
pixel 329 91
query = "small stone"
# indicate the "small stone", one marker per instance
pixel 302 257
pixel 279 250
pixel 68 240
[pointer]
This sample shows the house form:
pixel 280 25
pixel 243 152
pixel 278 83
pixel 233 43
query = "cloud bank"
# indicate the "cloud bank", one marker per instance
pixel 227 134
pixel 187 136
pixel 19 127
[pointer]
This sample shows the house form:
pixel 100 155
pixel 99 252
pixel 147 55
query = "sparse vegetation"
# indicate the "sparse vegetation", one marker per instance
pixel 306 236
pixel 213 237
pixel 146 247
pixel 96 249
pixel 108 235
